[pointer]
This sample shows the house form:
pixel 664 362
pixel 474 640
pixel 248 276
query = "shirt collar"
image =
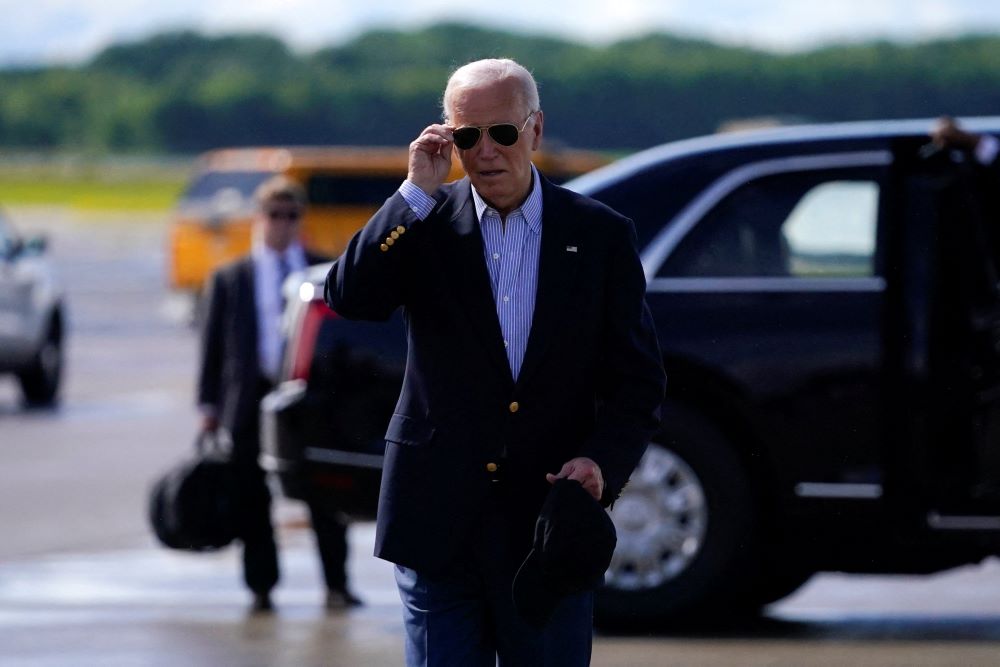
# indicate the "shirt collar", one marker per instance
pixel 531 209
pixel 262 252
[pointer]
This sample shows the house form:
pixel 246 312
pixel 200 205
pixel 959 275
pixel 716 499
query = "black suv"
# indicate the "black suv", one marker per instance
pixel 827 303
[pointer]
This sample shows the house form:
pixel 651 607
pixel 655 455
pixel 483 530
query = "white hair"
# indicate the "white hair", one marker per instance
pixel 491 70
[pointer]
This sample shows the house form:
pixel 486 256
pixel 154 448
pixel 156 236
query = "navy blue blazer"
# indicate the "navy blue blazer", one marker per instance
pixel 591 383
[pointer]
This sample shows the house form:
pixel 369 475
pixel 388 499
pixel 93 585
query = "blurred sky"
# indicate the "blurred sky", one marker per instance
pixel 48 31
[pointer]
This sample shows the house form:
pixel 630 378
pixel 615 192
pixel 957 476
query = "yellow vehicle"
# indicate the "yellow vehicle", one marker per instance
pixel 345 186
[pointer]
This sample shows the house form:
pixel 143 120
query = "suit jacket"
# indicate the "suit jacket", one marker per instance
pixel 229 377
pixel 590 385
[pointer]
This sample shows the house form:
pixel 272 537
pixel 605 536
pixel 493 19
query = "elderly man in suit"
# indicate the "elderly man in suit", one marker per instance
pixel 531 357
pixel 241 349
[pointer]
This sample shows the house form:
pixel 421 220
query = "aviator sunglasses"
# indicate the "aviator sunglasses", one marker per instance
pixel 291 215
pixel 504 134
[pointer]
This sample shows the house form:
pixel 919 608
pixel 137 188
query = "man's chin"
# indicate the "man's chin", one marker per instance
pixel 497 184
pixel 492 191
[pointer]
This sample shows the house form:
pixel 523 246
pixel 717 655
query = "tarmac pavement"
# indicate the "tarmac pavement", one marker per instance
pixel 151 607
pixel 154 607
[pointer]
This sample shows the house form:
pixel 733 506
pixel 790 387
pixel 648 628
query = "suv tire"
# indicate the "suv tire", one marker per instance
pixel 41 379
pixel 686 539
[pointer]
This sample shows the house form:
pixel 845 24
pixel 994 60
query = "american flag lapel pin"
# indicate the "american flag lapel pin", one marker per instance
pixel 571 248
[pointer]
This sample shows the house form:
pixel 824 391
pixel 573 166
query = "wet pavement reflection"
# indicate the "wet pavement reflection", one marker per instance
pixel 151 606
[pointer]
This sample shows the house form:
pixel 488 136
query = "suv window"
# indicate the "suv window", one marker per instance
pixel 807 224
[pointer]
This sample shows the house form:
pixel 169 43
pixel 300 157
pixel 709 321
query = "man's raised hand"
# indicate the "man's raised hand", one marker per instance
pixel 430 158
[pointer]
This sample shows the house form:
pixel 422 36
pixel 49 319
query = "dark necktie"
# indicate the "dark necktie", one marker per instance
pixel 283 270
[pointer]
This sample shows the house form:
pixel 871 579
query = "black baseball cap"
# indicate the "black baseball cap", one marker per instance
pixel 574 541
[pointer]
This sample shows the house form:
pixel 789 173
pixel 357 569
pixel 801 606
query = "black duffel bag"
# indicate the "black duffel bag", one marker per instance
pixel 192 506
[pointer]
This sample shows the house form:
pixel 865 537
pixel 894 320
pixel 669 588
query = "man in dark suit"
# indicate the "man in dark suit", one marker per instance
pixel 241 350
pixel 531 357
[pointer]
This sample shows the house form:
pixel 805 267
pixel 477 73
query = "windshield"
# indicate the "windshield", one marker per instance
pixel 206 185
pixel 345 190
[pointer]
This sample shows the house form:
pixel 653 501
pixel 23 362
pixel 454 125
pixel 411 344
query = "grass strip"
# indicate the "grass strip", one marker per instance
pixel 92 194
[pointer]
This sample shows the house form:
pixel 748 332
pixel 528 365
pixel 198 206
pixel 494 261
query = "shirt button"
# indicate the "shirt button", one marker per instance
pixel 491 467
pixel 505 343
pixel 506 299
pixel 514 407
pixel 496 255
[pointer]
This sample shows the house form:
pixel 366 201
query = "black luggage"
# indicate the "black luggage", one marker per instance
pixel 191 506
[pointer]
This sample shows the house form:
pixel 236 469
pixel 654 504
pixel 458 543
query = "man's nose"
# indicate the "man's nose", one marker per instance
pixel 488 147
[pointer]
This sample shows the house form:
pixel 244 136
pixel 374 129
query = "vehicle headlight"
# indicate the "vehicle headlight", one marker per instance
pixel 307 291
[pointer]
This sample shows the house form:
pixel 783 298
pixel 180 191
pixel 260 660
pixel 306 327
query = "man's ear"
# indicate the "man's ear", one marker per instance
pixel 536 130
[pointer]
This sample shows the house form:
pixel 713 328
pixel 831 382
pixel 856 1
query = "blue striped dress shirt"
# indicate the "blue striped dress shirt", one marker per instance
pixel 511 252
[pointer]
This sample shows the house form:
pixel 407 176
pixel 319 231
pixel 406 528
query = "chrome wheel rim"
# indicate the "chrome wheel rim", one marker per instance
pixel 661 519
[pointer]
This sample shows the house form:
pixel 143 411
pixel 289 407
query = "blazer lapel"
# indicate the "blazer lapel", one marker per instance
pixel 557 266
pixel 471 279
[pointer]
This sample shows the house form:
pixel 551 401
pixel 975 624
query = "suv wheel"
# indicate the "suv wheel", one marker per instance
pixel 40 380
pixel 686 541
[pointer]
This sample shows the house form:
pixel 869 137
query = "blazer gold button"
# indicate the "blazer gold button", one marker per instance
pixel 401 229
pixel 389 240
pixel 514 407
pixel 383 247
pixel 491 467
pixel 394 234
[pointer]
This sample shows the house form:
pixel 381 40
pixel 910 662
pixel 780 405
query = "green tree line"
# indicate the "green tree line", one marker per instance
pixel 183 92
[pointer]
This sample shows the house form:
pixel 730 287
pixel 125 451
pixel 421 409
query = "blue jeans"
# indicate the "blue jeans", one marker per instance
pixel 465 617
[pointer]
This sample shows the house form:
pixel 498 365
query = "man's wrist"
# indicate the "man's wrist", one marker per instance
pixel 417 199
